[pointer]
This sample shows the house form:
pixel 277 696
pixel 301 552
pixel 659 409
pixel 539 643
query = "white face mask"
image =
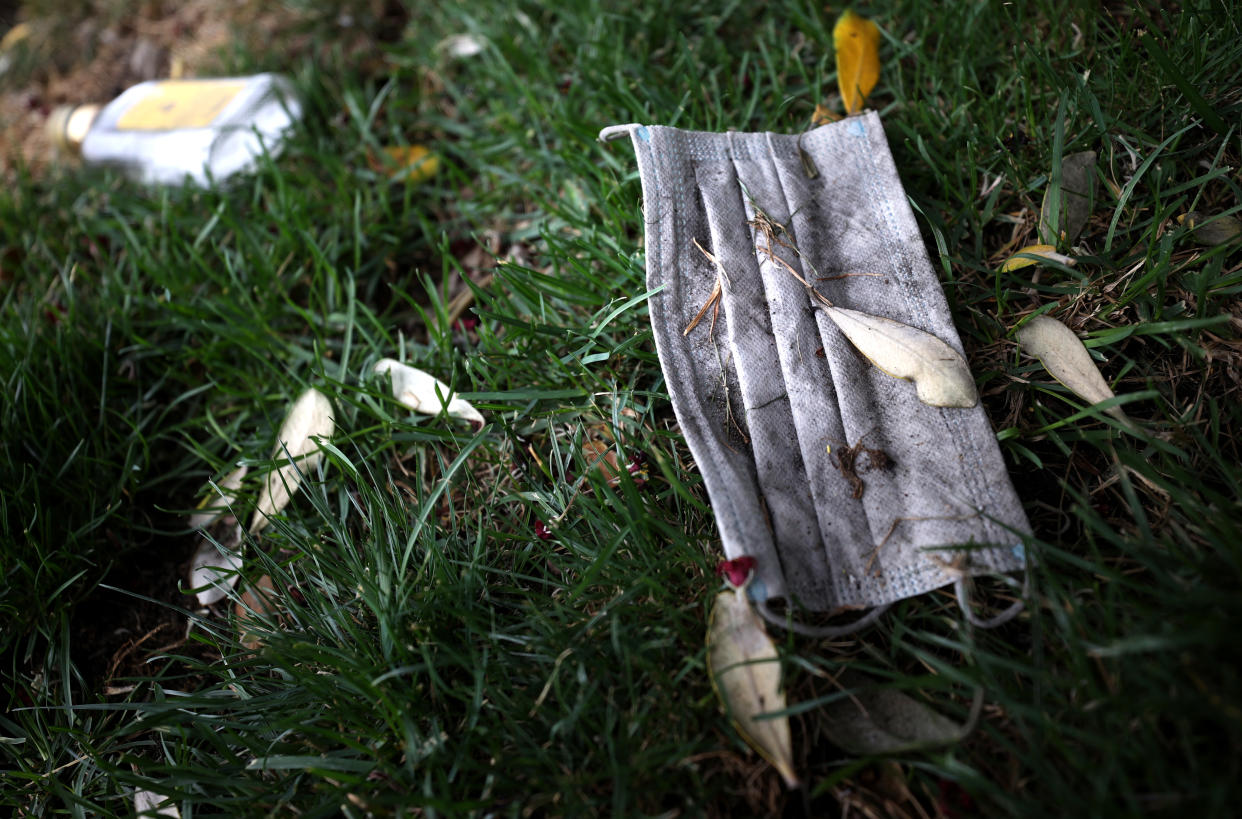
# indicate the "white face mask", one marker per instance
pixel 849 492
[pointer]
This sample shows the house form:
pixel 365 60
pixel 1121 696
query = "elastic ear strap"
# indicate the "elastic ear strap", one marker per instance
pixel 612 132
pixel 963 602
pixel 821 631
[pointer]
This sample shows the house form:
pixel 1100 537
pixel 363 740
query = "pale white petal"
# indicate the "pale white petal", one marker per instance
pixel 147 803
pixel 461 46
pixel 212 508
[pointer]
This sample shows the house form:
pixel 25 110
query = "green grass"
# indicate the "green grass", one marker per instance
pixel 438 655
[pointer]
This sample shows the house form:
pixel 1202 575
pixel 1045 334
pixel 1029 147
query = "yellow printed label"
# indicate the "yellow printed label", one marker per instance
pixel 179 104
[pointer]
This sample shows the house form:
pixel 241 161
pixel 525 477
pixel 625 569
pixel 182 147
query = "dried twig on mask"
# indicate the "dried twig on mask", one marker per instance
pixel 771 232
pixel 713 300
pixel 716 297
pixel 898 521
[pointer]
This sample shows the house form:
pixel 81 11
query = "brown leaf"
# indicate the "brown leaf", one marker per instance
pixel 1208 230
pixel 875 720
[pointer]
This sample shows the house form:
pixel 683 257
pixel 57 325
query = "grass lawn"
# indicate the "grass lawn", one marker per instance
pixel 439 658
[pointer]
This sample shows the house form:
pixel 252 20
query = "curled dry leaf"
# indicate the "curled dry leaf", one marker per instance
pixel 874 720
pixel 822 115
pixel 1032 254
pixel 1220 230
pixel 745 671
pixel 1067 360
pixel 857 43
pixel 309 418
pixel 1073 206
pixel 213 568
pixel 941 376
pixel 425 393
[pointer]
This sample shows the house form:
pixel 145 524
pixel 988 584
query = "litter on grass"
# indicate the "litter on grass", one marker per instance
pixel 820 291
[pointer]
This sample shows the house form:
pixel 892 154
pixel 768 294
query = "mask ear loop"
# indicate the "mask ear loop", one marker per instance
pixel 789 623
pixel 972 621
pixel 963 602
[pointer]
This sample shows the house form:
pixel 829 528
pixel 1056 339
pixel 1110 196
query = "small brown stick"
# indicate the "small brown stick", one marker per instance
pixel 714 298
pixel 896 521
pixel 724 379
pixel 769 230
pixel 464 299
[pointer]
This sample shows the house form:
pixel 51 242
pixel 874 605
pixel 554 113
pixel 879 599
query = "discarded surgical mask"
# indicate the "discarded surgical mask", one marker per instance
pixel 822 391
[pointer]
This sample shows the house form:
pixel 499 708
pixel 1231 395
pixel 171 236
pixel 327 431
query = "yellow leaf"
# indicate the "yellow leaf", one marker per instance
pixel 15 35
pixel 857 43
pixel 413 163
pixel 745 670
pixel 1031 254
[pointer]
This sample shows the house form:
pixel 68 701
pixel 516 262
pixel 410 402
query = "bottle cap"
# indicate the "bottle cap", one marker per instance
pixel 67 125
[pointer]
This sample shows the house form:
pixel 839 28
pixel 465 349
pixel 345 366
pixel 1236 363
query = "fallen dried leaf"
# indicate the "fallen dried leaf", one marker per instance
pixel 857 43
pixel 822 115
pixel 425 393
pixel 1219 230
pixel 410 163
pixel 874 720
pixel 1066 359
pixel 1033 254
pixel 941 376
pixel 1073 209
pixel 259 605
pixel 745 671
pixel 309 418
